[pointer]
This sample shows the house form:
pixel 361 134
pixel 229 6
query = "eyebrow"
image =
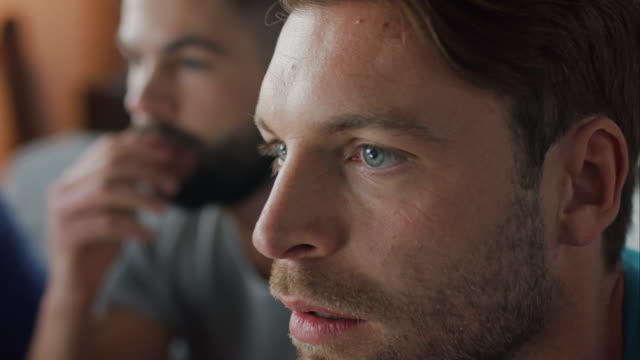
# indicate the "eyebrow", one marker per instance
pixel 391 120
pixel 195 41
pixel 182 42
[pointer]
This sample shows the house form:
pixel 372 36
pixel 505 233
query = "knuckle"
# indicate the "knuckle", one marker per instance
pixel 102 183
pixel 111 149
pixel 109 223
pixel 111 157
pixel 108 140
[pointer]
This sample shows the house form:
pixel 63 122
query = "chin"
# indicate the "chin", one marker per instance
pixel 369 350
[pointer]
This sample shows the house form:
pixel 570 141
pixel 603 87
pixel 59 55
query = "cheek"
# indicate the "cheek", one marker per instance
pixel 407 238
pixel 422 235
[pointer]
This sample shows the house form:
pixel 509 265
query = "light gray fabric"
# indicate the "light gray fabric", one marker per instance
pixel 196 280
pixel 28 175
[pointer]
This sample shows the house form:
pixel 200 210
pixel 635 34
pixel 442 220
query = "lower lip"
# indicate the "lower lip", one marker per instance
pixel 315 330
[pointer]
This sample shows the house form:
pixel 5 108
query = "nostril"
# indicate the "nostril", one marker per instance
pixel 299 251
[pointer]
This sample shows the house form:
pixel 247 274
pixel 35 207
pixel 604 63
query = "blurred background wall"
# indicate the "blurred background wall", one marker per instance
pixel 59 68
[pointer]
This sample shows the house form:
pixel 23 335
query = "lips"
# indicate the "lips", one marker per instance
pixel 315 325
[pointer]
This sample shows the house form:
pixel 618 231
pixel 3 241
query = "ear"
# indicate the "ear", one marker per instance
pixel 596 162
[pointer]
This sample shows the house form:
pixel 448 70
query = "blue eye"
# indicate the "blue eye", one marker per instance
pixel 275 150
pixel 281 151
pixel 376 157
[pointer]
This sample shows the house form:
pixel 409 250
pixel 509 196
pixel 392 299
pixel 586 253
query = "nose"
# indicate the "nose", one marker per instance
pixel 302 217
pixel 151 93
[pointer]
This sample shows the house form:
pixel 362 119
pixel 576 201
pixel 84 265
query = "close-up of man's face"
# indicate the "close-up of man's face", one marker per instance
pixel 397 220
pixel 195 66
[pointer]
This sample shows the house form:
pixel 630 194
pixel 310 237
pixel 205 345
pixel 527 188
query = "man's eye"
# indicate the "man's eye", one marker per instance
pixel 376 157
pixel 195 64
pixel 277 151
pixel 281 151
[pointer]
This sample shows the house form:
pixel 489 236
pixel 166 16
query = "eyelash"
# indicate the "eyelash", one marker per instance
pixel 195 64
pixel 392 155
pixel 270 150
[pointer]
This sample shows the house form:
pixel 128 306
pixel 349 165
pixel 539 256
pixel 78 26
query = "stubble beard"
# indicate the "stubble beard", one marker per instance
pixel 486 307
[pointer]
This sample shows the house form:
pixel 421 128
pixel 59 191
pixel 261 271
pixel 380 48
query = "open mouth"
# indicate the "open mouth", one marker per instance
pixel 320 328
pixel 313 325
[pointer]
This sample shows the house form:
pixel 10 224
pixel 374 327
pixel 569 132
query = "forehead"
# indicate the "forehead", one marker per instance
pixel 356 56
pixel 350 40
pixel 162 19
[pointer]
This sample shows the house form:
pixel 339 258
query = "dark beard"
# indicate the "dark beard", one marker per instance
pixel 226 173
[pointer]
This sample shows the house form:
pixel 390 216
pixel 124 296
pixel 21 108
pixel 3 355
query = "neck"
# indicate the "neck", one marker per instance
pixel 587 325
pixel 245 215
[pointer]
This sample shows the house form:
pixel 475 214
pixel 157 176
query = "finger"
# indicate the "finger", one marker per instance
pixel 114 150
pixel 88 197
pixel 105 226
pixel 145 150
pixel 120 198
pixel 154 145
pixel 157 179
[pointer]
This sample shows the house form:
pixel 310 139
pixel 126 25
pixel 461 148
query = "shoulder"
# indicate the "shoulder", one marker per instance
pixel 631 263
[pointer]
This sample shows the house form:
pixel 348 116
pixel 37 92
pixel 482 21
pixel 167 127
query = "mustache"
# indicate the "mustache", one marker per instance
pixel 173 133
pixel 345 293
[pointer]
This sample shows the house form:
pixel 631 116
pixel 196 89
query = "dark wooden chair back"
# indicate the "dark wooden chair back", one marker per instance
pixel 28 121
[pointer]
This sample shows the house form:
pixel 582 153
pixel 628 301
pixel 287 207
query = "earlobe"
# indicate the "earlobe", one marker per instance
pixel 597 164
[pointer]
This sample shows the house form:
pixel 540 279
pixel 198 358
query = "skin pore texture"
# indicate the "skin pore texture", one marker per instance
pixel 397 205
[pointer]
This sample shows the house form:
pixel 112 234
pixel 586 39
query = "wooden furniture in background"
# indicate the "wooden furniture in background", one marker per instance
pixel 27 122
pixel 6 110
pixel 67 50
pixel 105 109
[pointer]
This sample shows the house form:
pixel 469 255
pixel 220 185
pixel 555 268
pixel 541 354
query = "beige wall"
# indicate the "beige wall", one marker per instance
pixel 69 45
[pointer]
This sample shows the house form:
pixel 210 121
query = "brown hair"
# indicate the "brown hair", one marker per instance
pixel 556 61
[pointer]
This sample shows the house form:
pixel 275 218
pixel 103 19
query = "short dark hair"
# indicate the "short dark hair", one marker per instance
pixel 556 62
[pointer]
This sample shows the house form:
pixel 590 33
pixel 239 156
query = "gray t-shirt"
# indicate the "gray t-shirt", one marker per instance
pixel 196 280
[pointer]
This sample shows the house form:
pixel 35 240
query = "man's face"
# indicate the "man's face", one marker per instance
pixel 396 220
pixel 194 65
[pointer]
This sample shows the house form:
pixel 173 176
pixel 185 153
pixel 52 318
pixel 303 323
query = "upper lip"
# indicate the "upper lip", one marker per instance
pixel 299 305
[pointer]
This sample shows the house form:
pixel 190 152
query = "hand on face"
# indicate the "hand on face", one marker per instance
pixel 93 207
